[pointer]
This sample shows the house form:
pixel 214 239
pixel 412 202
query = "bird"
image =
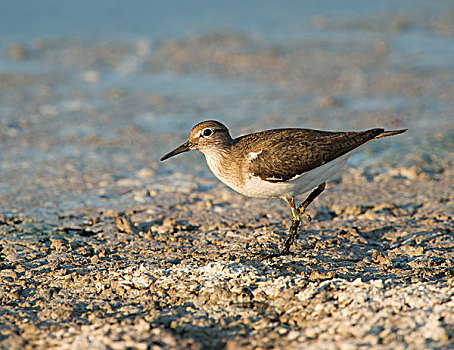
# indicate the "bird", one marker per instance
pixel 277 163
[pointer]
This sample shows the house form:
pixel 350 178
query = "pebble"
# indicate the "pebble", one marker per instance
pixel 18 51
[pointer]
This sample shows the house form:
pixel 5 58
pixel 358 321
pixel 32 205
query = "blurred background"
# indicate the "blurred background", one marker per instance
pixel 92 93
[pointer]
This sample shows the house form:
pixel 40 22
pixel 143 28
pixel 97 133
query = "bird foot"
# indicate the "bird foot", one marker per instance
pixel 308 217
pixel 292 237
pixel 283 252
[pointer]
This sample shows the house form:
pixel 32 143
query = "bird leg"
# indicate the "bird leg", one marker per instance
pixel 296 221
pixel 314 194
pixel 294 230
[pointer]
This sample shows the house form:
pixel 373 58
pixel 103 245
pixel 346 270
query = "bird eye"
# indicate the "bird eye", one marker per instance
pixel 207 132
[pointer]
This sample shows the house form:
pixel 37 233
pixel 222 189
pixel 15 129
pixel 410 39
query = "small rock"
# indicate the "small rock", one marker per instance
pixel 18 51
pixel 381 258
pixel 116 92
pixel 146 173
pixel 329 101
pixel 124 224
pixel 91 76
pixel 381 47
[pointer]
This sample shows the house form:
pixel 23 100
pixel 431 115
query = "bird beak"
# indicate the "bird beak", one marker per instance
pixel 185 147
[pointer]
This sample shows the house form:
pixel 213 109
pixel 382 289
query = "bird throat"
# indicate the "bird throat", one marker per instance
pixel 218 163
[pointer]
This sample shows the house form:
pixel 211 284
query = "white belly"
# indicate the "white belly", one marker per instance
pixel 256 187
pixel 253 186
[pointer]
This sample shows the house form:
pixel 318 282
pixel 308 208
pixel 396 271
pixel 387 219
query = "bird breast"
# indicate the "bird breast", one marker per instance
pixel 225 171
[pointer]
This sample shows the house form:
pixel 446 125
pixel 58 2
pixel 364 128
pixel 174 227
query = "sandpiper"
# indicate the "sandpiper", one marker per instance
pixel 278 163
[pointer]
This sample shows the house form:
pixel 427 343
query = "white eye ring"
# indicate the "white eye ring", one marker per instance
pixel 207 132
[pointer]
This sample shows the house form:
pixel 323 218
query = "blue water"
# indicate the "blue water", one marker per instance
pixel 160 19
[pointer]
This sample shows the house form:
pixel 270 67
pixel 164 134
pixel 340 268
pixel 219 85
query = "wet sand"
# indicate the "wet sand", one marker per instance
pixel 102 246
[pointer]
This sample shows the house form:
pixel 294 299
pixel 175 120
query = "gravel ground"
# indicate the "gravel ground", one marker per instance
pixel 183 274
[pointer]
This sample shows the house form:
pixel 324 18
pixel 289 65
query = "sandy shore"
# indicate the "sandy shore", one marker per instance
pixel 181 274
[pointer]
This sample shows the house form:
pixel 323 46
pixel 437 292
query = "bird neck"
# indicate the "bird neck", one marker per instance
pixel 217 161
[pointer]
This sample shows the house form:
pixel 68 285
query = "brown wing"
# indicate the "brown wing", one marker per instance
pixel 286 153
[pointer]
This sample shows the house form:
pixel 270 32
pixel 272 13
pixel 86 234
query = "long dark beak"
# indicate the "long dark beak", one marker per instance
pixel 185 147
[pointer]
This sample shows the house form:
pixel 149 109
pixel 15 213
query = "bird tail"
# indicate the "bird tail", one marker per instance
pixel 389 133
